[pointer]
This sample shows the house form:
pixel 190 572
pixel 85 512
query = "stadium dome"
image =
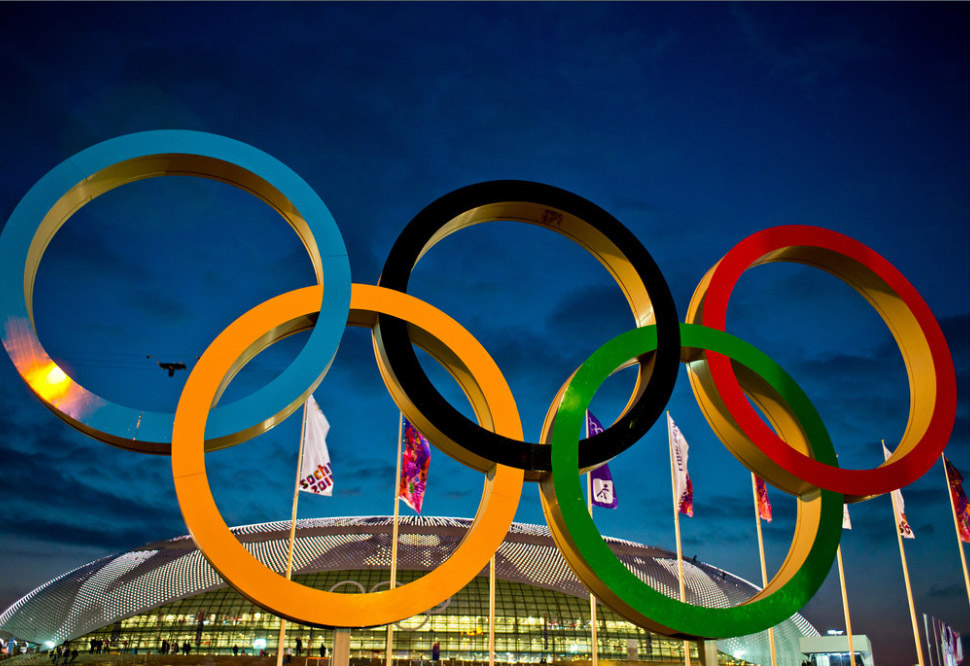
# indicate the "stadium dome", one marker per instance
pixel 166 590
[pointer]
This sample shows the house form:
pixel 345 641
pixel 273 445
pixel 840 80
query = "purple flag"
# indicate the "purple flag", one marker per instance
pixel 603 492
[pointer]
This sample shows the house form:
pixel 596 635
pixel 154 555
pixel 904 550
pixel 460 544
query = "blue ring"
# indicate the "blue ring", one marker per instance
pixel 145 155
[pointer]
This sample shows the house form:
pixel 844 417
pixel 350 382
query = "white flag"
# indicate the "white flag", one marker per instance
pixel 899 508
pixel 846 521
pixel 315 474
pixel 683 489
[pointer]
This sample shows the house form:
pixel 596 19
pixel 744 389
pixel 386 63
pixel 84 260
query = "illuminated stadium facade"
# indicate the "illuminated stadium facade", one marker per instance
pixel 166 591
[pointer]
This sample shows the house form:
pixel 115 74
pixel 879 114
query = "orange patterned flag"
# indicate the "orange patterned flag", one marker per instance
pixel 764 506
pixel 415 459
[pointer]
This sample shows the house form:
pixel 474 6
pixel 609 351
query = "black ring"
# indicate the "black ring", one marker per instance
pixel 591 227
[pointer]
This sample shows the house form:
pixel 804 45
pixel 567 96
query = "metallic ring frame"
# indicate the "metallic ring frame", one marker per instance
pixel 437 610
pixel 347 581
pixel 113 163
pixel 929 366
pixel 799 460
pixel 448 342
pixel 818 524
pixel 592 228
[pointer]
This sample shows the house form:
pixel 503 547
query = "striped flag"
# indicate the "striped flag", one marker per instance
pixel 764 506
pixel 960 506
pixel 683 489
pixel 315 474
pixel 899 507
pixel 846 521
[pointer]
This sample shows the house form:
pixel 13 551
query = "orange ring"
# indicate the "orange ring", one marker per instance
pixel 469 363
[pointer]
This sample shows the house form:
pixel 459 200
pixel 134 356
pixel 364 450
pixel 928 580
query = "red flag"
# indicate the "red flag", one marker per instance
pixel 960 506
pixel 764 506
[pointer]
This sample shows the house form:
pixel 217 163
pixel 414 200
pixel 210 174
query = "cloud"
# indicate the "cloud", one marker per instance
pixel 65 486
pixel 89 484
pixel 724 507
pixel 570 318
pixel 88 266
pixel 104 536
pixel 459 494
pixel 371 468
pixel 806 63
pixel 952 591
pixel 160 305
pixel 719 535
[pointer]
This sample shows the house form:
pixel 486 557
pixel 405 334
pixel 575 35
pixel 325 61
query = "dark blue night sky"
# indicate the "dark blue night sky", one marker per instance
pixel 695 125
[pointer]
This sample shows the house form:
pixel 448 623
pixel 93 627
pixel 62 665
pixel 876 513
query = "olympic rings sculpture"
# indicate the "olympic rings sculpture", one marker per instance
pixel 795 453
pixel 437 610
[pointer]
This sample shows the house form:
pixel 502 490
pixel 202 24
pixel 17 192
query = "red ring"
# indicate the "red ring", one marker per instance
pixel 795 243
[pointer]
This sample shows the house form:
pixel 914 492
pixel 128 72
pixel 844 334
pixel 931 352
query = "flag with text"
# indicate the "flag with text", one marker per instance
pixel 315 474
pixel 683 489
pixel 899 507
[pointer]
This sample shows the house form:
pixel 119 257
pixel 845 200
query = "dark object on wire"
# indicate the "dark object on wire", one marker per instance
pixel 171 367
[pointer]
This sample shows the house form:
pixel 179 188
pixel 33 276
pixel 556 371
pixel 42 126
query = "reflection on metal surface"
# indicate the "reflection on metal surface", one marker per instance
pixel 929 366
pixel 487 391
pixel 794 452
pixel 45 378
pixel 83 177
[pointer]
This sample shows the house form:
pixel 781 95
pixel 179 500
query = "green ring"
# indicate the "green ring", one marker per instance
pixel 597 565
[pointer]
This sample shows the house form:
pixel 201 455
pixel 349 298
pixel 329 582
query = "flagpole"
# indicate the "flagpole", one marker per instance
pixel 764 568
pixel 397 481
pixel 926 630
pixel 845 605
pixel 592 597
pixel 909 591
pixel 289 552
pixel 491 611
pixel 680 554
pixel 956 528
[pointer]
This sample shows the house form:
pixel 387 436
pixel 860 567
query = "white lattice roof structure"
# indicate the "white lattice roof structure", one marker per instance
pixel 112 588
